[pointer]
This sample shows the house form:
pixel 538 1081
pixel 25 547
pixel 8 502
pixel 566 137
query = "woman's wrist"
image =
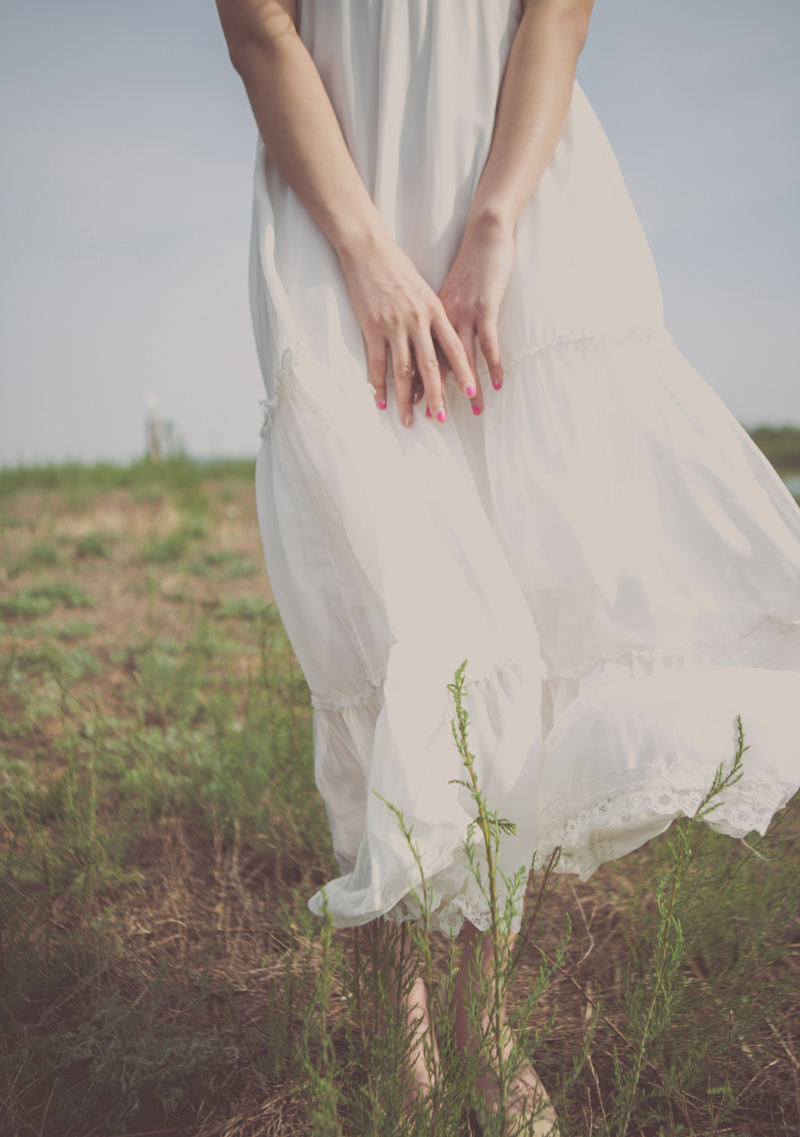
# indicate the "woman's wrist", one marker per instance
pixel 489 219
pixel 355 238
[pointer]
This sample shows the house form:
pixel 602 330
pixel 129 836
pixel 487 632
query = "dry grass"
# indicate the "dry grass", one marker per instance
pixel 157 959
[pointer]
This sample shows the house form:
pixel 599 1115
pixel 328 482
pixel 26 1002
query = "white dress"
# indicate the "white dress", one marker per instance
pixel 605 545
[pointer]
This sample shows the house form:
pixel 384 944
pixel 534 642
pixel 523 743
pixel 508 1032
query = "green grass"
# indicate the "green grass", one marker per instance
pixel 110 1043
pixel 176 475
pixel 231 565
pixel 92 545
pixel 41 554
pixel 160 832
pixel 246 608
pixel 41 598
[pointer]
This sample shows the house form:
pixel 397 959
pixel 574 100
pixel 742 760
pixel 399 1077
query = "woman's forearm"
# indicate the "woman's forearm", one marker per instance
pixel 532 107
pixel 399 313
pixel 297 122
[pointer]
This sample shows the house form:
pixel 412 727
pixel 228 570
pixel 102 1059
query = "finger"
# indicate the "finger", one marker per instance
pixel 466 334
pixel 403 377
pixel 441 359
pixel 490 346
pixel 456 353
pixel 428 368
pixel 376 357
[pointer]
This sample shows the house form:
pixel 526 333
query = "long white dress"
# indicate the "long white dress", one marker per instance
pixel 605 545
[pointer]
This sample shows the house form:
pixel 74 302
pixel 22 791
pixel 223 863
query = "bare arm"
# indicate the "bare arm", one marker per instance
pixel 394 305
pixel 533 105
pixel 531 112
pixel 295 118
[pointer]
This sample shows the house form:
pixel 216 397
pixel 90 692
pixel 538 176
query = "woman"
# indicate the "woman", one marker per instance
pixel 437 212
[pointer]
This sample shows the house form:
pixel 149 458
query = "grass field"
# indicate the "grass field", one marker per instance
pixel 160 833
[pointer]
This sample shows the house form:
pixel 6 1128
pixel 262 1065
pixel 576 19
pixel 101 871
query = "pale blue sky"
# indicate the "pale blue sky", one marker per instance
pixel 127 147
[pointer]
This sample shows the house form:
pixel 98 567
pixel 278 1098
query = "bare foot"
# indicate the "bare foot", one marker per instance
pixel 528 1100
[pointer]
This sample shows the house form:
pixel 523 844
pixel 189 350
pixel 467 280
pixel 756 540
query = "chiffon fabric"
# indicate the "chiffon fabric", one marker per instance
pixel 604 545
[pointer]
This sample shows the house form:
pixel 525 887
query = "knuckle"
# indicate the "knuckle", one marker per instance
pixel 449 312
pixel 489 348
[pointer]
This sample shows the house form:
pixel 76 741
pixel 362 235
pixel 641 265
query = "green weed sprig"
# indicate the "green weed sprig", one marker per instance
pixel 651 1014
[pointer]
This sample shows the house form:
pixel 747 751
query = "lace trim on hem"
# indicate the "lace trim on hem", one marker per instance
pixel 780 621
pixel 455 896
pixel 576 820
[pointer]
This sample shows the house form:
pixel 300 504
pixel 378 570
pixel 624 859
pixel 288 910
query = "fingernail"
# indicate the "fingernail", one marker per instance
pixel 442 415
pixel 415 398
pixel 408 419
pixel 382 404
pixel 470 391
pixel 428 413
pixel 497 384
pixel 477 410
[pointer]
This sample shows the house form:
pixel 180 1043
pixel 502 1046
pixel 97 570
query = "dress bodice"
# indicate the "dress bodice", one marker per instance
pixel 414 84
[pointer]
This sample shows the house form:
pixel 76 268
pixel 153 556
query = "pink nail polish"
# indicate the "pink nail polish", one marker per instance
pixel 428 413
pixel 442 416
pixel 477 410
pixel 497 384
pixel 382 404
pixel 470 391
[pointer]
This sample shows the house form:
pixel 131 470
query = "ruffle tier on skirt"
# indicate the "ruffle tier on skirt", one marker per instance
pixel 619 606
pixel 605 546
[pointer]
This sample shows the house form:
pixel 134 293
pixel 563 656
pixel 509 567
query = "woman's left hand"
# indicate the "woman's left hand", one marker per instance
pixel 472 292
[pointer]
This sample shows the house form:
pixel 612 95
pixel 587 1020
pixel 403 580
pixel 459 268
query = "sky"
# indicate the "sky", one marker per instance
pixel 127 150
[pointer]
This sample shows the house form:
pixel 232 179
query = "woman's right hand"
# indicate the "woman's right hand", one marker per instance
pixel 399 312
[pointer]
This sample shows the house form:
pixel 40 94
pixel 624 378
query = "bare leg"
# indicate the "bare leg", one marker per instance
pixel 414 1003
pixel 527 1090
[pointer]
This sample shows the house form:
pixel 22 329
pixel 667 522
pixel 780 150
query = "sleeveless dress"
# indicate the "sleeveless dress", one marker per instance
pixel 605 545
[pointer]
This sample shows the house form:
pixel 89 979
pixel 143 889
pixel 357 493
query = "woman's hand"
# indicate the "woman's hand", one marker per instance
pixel 398 311
pixel 472 292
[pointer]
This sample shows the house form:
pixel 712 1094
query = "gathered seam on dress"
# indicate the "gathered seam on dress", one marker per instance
pixel 285 372
pixel 692 648
pixel 345 704
pixel 290 358
pixel 573 338
pixel 373 689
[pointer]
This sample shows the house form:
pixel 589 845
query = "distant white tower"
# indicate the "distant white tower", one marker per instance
pixel 154 430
